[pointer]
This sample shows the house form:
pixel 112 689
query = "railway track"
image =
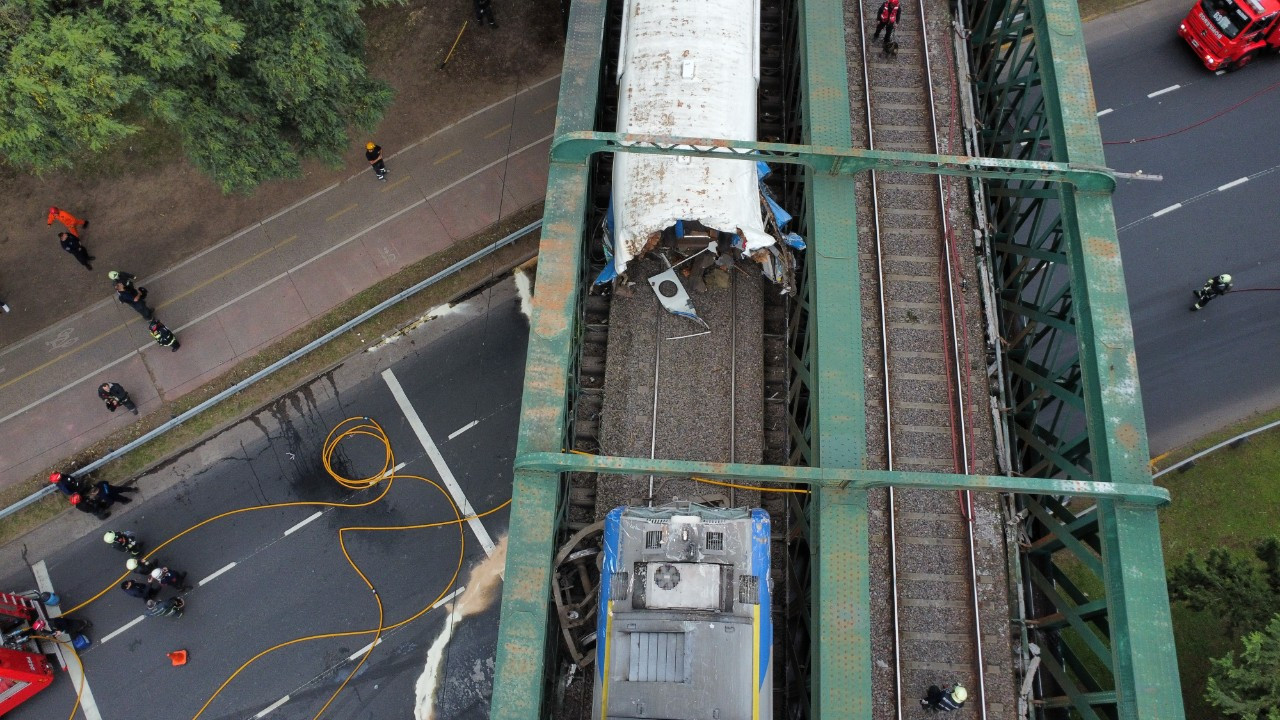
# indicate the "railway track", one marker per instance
pixel 919 411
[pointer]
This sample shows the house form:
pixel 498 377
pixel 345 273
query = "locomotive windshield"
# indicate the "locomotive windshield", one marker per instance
pixel 1230 18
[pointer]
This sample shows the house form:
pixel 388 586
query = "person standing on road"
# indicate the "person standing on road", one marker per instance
pixel 70 221
pixel 484 13
pixel 1212 288
pixel 173 606
pixel 116 276
pixel 373 153
pixel 135 298
pixel 62 624
pixel 66 482
pixel 141 567
pixel 945 698
pixel 123 540
pixel 888 17
pixel 114 396
pixel 164 336
pixel 71 243
pixel 174 579
pixel 86 504
pixel 139 590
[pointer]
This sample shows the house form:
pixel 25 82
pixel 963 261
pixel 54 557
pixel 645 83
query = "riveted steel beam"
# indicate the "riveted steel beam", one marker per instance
pixel 578 147
pixel 823 477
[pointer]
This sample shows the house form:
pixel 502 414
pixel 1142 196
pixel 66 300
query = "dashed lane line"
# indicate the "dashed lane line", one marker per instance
pixel 121 629
pixel 271 707
pixel 356 655
pixel 463 429
pixel 1201 196
pixel 446 156
pixel 302 524
pixel 342 212
pixel 502 129
pixel 1166 211
pixel 209 281
pixel 216 573
pixel 1162 91
pixel 80 382
pixel 1108 111
pixel 433 452
pixel 1232 184
pixel 397 183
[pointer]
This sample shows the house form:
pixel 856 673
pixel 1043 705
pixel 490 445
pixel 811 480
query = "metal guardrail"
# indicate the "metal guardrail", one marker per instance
pixel 1242 436
pixel 282 362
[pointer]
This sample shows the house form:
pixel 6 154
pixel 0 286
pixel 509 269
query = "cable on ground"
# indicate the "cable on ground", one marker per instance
pixel 349 428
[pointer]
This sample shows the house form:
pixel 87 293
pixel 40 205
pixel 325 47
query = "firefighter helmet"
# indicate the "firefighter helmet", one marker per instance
pixel 1224 278
pixel 38 625
pixel 131 563
pixel 109 537
pixel 75 498
pixel 959 694
pixel 55 476
pixel 113 275
pixel 369 145
pixel 154 327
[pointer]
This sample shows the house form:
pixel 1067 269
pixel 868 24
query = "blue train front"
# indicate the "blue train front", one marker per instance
pixel 684 630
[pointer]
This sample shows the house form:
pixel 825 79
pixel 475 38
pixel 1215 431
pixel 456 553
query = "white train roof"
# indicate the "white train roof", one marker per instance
pixel 687 68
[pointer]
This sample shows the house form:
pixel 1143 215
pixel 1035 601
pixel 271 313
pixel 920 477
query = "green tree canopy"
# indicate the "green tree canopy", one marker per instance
pixel 1243 591
pixel 251 86
pixel 1249 688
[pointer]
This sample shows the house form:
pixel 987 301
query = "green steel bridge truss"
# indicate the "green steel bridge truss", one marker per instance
pixel 1096 602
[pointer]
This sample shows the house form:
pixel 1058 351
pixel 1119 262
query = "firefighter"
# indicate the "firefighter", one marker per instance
pixel 124 541
pixel 945 698
pixel 1212 288
pixel 164 336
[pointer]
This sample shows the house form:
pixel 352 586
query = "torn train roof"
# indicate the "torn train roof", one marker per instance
pixel 687 68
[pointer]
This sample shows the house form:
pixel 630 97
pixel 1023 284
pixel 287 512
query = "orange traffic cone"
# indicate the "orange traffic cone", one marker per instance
pixel 178 657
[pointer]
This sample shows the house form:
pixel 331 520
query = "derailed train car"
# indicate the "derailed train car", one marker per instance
pixel 691 68
pixel 684 629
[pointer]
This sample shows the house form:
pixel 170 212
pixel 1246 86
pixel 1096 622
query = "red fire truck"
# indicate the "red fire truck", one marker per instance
pixel 1229 34
pixel 24 668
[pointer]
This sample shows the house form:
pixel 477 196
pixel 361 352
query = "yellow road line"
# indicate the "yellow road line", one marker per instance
pixel 117 328
pixel 546 107
pixel 61 357
pixel 499 130
pixel 388 187
pixel 442 158
pixel 340 212
pixel 225 273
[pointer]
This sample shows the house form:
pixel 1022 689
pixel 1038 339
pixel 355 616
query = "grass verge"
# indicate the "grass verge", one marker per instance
pixel 317 362
pixel 1229 498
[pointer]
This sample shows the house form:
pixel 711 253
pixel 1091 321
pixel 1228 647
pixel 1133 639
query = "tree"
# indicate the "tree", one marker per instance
pixel 1242 591
pixel 1251 688
pixel 251 86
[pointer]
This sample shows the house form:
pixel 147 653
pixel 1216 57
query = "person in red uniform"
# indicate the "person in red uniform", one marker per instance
pixel 888 16
pixel 71 221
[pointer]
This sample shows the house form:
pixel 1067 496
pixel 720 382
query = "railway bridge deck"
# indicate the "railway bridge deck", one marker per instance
pixel 954 198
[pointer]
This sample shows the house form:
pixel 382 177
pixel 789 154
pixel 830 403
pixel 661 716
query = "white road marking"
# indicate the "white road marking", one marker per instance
pixel 1108 111
pixel 355 655
pixel 80 382
pixel 463 429
pixel 299 526
pixel 1233 183
pixel 1169 209
pixel 446 476
pixel 271 707
pixel 122 628
pixel 1169 89
pixel 442 601
pixel 88 704
pixel 216 573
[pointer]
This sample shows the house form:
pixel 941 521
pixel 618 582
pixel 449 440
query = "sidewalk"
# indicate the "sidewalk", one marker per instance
pixel 270 278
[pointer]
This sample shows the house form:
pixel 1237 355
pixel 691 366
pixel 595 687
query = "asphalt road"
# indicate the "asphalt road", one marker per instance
pixel 461 375
pixel 1199 371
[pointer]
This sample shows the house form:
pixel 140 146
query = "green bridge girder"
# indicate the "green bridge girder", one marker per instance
pixel 1092 573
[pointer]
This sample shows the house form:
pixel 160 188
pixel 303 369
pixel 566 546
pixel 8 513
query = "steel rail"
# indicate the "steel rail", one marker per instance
pixel 282 362
pixel 891 517
pixel 960 376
